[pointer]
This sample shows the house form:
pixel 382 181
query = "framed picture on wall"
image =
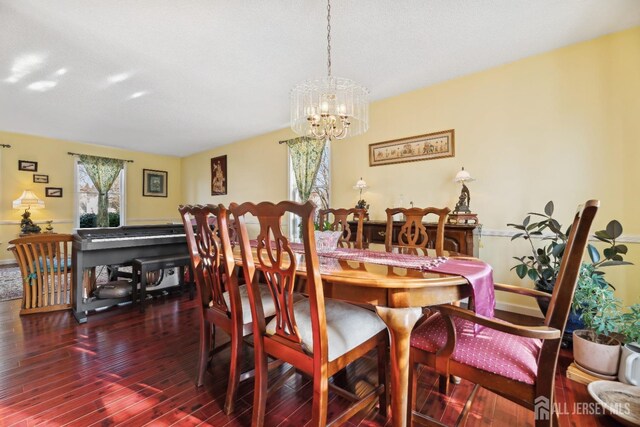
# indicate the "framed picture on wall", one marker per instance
pixel 52 192
pixel 219 180
pixel 154 183
pixel 27 165
pixel 413 149
pixel 41 179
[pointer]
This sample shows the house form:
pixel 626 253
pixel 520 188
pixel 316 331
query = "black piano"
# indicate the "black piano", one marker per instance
pixel 116 246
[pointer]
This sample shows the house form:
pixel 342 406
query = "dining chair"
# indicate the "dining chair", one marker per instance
pixel 341 223
pixel 223 303
pixel 319 336
pixel 413 233
pixel 513 361
pixel 45 265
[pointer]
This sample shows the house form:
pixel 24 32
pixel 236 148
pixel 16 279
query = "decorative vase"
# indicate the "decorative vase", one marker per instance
pixel 601 358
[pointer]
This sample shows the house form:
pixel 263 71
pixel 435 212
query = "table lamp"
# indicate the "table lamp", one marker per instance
pixel 28 200
pixel 464 200
pixel 361 184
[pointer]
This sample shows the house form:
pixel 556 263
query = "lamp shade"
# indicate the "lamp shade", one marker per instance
pixel 463 176
pixel 27 200
pixel 360 185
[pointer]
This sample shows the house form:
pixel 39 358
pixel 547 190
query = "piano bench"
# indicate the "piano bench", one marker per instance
pixel 141 266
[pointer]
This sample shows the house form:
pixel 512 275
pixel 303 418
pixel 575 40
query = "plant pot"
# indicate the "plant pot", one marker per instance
pixel 594 356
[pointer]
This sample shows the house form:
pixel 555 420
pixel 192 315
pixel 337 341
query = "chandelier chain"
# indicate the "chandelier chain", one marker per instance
pixel 329 38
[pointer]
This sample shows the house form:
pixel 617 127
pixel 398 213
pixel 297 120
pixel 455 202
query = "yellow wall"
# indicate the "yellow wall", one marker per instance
pixel 53 160
pixel 562 126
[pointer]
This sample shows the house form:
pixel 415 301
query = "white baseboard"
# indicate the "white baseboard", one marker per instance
pixel 520 309
pixel 8 261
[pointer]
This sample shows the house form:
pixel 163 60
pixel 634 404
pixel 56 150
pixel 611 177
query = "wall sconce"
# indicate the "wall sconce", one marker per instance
pixel 26 201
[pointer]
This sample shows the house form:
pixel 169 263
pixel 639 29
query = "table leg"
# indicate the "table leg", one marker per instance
pixel 400 322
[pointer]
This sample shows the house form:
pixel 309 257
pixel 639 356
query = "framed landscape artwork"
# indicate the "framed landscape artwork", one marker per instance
pixel 219 180
pixel 422 147
pixel 154 183
pixel 41 179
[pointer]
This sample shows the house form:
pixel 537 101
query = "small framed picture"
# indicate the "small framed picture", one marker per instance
pixel 41 179
pixel 219 180
pixel 52 191
pixel 27 165
pixel 154 183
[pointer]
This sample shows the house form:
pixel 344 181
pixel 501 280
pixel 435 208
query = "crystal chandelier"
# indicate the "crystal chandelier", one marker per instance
pixel 329 107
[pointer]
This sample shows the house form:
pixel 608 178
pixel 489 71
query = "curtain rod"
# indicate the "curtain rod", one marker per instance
pixel 5 146
pixel 78 154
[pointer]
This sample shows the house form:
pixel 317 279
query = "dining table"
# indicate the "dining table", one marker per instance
pixel 398 296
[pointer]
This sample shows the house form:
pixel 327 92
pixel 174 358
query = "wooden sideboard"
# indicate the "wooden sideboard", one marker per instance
pixel 462 238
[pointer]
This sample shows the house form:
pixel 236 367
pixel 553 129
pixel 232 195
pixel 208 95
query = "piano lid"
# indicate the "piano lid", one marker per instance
pixel 128 231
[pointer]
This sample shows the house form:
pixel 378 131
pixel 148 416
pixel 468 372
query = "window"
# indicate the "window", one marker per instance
pixel 87 200
pixel 321 192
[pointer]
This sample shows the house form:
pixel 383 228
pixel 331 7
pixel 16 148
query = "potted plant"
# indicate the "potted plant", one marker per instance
pixel 607 324
pixel 542 265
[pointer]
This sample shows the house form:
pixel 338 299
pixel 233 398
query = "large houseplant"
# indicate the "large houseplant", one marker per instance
pixel 547 241
pixel 542 266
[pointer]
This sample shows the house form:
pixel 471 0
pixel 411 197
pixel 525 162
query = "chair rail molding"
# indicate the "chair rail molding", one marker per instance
pixel 494 232
pixel 43 221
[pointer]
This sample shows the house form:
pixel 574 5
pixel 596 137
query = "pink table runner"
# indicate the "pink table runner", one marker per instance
pixel 479 274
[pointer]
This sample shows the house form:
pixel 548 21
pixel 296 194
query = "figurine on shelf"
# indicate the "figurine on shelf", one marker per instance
pixel 26 225
pixel 362 204
pixel 49 227
pixel 464 201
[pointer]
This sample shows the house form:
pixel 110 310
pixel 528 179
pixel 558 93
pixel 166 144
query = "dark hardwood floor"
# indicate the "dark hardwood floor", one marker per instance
pixel 131 369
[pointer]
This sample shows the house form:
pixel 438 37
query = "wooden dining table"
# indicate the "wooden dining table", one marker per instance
pixel 398 296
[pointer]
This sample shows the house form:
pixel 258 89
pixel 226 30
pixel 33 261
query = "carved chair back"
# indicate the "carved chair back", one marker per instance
pixel 277 263
pixel 341 223
pixel 413 233
pixel 207 231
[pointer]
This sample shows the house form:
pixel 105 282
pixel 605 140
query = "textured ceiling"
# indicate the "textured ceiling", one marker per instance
pixel 178 77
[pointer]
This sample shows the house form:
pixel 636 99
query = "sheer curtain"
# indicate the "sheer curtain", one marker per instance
pixel 103 172
pixel 306 155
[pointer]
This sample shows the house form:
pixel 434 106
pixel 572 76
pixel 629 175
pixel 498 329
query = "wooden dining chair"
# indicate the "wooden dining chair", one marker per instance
pixel 513 361
pixel 223 303
pixel 413 233
pixel 45 265
pixel 319 336
pixel 340 222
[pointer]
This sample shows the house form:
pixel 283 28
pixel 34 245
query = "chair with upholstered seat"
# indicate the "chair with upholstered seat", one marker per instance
pixel 513 361
pixel 413 233
pixel 338 220
pixel 223 303
pixel 45 265
pixel 317 335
